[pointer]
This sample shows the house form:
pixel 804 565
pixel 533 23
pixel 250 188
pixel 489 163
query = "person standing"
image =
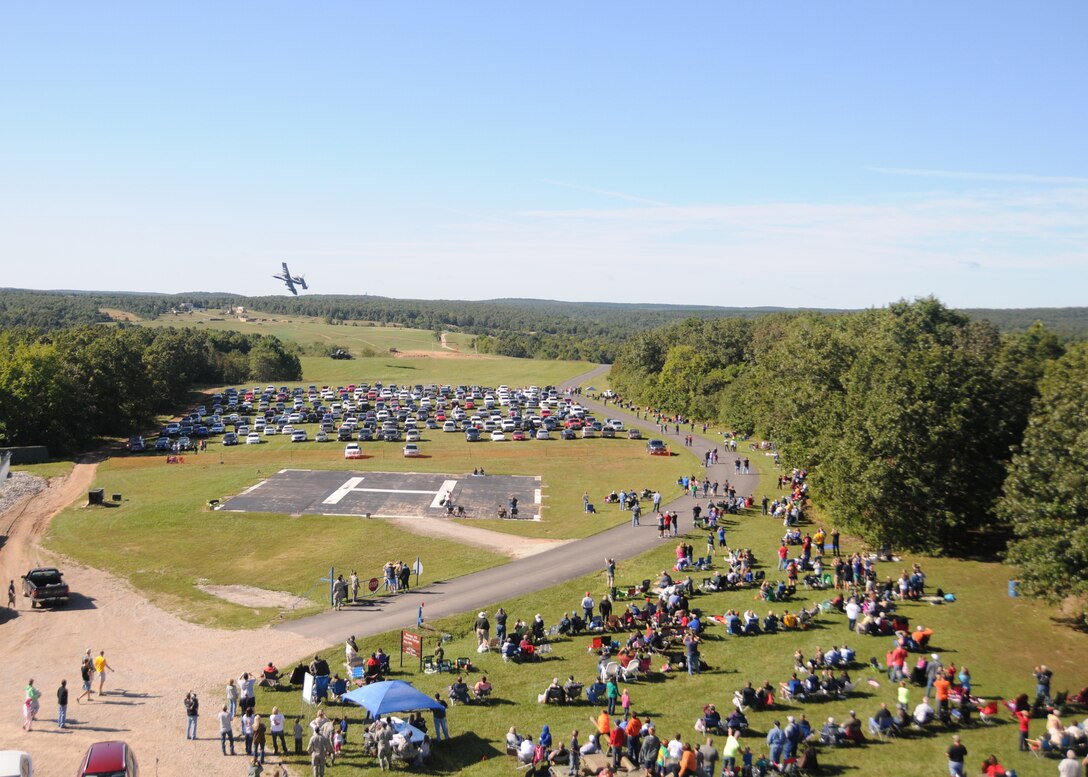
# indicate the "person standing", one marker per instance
pixel 100 667
pixel 957 754
pixel 835 541
pixel 276 725
pixel 610 573
pixel 320 749
pixel 247 729
pixel 354 586
pixel 1023 719
pixel 62 703
pixel 483 630
pixel 245 692
pixel 575 755
pixel 853 610
pixel 776 741
pixel 587 607
pixel 585 502
pixel 31 704
pixel 86 674
pixel 232 697
pixel 612 694
pixel 440 729
pixel 192 711
pixel 298 735
pixel 657 501
pixel 11 595
pixel 259 731
pixel 226 730
pixel 500 625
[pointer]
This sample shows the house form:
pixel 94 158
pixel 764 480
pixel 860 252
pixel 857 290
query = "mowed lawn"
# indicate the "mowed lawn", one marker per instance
pixel 998 638
pixel 164 539
pixel 356 337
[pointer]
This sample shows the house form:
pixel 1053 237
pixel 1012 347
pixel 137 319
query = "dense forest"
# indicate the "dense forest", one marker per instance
pixel 905 416
pixel 65 388
pixel 542 329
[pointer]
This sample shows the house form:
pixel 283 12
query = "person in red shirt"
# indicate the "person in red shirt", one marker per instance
pixel 1023 717
pixel 618 740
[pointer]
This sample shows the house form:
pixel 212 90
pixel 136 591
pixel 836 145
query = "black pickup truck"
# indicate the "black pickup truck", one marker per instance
pixel 45 586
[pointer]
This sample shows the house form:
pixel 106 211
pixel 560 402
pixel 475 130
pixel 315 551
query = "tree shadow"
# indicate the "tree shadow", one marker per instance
pixel 460 752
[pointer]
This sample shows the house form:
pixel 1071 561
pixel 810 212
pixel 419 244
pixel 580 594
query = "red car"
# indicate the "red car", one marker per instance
pixel 109 759
pixel 518 435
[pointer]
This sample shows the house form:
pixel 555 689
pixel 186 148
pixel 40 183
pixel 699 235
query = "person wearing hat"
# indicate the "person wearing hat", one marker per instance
pixel 483 631
pixel 933 671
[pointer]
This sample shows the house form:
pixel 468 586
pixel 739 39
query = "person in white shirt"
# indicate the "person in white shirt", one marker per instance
pixel 1070 766
pixel 923 713
pixel 853 610
pixel 276 723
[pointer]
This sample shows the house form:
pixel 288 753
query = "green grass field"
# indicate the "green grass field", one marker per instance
pixel 164 539
pixel 998 638
pixel 306 329
pixel 49 469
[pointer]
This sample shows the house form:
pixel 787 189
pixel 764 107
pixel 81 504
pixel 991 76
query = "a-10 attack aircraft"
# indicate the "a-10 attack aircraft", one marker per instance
pixel 291 280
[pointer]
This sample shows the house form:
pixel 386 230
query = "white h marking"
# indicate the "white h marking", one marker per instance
pixel 352 485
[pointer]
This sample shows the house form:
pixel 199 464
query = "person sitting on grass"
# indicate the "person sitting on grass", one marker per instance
pixel 712 720
pixel 459 691
pixel 482 689
pixel 770 623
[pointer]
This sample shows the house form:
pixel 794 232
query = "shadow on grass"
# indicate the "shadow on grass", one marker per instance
pixel 460 752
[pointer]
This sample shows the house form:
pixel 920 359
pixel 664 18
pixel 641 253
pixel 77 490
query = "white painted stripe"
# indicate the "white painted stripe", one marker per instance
pixel 253 488
pixel 536 496
pixel 349 486
pixel 447 488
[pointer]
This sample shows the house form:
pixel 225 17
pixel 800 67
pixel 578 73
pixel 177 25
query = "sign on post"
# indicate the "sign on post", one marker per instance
pixel 412 644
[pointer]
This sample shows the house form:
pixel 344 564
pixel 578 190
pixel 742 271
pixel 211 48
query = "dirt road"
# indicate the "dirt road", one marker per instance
pixel 156 656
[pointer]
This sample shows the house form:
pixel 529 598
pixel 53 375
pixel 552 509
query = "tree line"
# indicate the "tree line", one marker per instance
pixel 66 388
pixel 907 418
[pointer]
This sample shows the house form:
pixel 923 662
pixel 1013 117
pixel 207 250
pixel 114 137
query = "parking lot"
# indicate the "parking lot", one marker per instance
pixel 387 494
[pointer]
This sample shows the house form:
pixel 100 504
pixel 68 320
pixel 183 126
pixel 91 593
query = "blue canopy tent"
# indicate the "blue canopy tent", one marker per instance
pixel 391 696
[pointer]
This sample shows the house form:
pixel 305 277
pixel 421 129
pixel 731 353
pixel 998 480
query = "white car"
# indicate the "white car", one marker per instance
pixel 351 451
pixel 411 450
pixel 15 763
pixel 542 434
pixel 497 436
pixel 321 436
pixel 288 430
pixel 270 430
pixel 449 426
pixel 253 439
pixel 412 435
pixel 299 435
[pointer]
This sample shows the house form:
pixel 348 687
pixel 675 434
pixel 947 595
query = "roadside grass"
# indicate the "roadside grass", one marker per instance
pixel 164 540
pixel 998 638
pixel 48 469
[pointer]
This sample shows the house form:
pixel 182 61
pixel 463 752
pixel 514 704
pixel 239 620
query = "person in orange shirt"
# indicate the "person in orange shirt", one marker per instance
pixel 941 687
pixel 634 732
pixel 688 763
pixel 604 724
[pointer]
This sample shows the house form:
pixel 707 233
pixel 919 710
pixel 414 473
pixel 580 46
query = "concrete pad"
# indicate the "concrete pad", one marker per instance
pixel 386 494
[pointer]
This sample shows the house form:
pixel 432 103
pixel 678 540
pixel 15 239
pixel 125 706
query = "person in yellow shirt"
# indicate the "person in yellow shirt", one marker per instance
pixel 100 666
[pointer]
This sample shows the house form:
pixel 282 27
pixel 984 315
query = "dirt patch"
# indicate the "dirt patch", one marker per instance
pixel 437 355
pixel 495 541
pixel 248 596
pixel 157 657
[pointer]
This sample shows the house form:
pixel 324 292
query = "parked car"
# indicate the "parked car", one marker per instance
pixel 351 451
pixel 136 444
pixel 543 434
pixel 498 436
pixel 15 763
pixel 518 435
pixel 657 448
pixel 472 434
pixel 162 444
pixel 412 435
pixel 567 434
pixel 321 436
pixel 634 434
pixel 230 438
pixel 109 759
pixel 184 444
pixel 253 439
pixel 45 585
pixel 411 450
pixel 299 435
pixel 608 431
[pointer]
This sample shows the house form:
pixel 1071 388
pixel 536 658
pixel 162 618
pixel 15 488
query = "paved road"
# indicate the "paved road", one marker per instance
pixel 482 589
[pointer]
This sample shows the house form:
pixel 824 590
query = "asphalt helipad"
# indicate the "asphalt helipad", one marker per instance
pixel 386 494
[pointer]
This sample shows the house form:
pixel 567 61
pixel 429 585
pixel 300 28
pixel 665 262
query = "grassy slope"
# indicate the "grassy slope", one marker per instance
pixel 1000 639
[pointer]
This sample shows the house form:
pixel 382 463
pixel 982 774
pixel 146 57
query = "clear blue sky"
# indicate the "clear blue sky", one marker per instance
pixel 842 154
